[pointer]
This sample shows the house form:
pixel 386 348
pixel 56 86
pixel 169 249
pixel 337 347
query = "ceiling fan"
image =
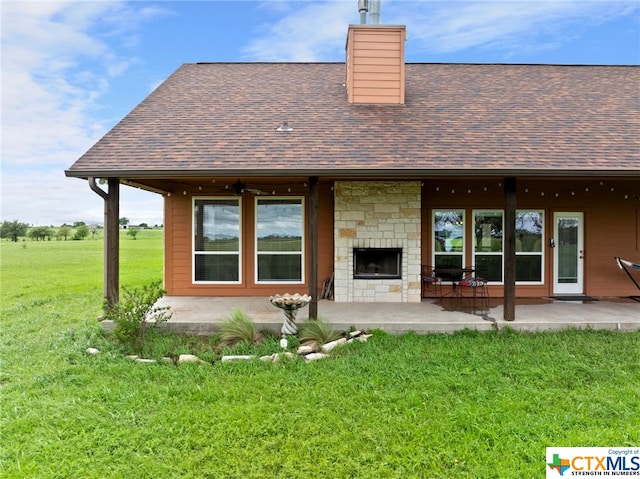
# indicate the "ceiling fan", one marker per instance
pixel 239 188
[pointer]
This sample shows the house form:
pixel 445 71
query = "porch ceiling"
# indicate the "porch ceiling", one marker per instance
pixel 297 183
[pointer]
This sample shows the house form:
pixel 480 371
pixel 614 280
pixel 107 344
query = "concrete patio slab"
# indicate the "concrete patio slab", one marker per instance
pixel 202 315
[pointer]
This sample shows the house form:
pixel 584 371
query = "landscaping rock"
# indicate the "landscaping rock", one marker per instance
pixel 333 344
pixel 362 338
pixel 315 356
pixel 279 357
pixel 93 351
pixel 226 359
pixel 309 351
pixel 306 349
pixel 189 358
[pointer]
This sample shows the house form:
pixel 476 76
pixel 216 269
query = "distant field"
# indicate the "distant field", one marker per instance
pixel 60 267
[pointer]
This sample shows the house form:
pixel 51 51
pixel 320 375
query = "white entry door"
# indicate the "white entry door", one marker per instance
pixel 568 253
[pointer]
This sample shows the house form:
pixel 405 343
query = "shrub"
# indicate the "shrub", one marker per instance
pixel 133 232
pixel 238 328
pixel 135 313
pixel 81 233
pixel 317 331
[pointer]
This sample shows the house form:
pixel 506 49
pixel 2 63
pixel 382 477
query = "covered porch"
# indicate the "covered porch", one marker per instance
pixel 202 315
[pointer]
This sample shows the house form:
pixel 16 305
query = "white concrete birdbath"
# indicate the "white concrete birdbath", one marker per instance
pixel 290 304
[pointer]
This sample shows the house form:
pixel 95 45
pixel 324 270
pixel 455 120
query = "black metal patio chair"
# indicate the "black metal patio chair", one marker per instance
pixel 476 283
pixel 430 280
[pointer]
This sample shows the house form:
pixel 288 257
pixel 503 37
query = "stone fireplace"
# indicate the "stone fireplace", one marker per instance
pixel 377 241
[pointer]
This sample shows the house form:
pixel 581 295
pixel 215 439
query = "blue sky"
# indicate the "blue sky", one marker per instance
pixel 72 70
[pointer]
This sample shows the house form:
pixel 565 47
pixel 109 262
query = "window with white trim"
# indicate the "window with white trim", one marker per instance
pixel 216 240
pixel 448 241
pixel 529 250
pixel 279 240
pixel 488 245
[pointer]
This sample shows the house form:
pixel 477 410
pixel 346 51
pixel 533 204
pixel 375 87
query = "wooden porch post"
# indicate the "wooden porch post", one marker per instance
pixel 509 249
pixel 111 238
pixel 313 246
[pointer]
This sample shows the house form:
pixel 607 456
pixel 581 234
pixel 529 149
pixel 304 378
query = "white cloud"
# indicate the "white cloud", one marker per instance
pixel 47 93
pixel 49 198
pixel 316 31
pixel 58 59
pixel 506 26
pixel 313 31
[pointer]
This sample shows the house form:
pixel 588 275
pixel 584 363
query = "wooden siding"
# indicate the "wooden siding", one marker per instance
pixel 375 64
pixel 179 249
pixel 325 234
pixel 611 223
pixel 611 228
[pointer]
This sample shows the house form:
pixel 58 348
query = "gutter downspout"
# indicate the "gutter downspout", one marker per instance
pixel 111 199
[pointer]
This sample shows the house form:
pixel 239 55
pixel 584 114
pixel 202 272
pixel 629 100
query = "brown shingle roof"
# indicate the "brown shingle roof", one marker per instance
pixel 483 119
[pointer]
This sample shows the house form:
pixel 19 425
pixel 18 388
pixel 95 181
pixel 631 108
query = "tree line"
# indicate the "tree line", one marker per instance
pixel 15 229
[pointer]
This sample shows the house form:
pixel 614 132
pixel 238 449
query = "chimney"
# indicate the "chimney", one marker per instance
pixel 375 64
pixel 375 59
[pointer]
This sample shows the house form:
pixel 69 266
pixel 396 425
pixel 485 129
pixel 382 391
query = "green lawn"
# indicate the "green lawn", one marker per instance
pixel 469 405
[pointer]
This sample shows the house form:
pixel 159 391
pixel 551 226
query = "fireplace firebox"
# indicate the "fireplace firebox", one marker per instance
pixel 377 263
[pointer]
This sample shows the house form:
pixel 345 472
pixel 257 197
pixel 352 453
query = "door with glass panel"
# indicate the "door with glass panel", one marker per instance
pixel 568 253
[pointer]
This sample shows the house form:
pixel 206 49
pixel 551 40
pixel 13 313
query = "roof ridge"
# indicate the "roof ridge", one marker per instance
pixel 588 65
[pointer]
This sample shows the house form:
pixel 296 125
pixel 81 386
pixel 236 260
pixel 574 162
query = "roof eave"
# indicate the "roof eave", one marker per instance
pixel 349 173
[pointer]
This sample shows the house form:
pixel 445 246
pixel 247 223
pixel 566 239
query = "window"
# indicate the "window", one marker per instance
pixel 279 240
pixel 216 240
pixel 448 241
pixel 529 234
pixel 488 244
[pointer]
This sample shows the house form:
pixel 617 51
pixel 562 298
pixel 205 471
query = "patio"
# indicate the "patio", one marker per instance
pixel 201 315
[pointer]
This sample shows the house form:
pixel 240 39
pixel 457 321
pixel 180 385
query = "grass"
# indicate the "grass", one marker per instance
pixel 469 405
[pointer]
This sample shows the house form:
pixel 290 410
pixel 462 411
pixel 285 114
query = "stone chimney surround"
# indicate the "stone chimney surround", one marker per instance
pixel 377 214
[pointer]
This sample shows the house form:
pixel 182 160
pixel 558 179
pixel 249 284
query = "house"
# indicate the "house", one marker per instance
pixel 277 176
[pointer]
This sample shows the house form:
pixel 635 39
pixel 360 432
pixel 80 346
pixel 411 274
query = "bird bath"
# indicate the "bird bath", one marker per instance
pixel 290 304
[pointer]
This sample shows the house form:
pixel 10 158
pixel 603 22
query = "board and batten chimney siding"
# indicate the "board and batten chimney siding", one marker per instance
pixel 375 64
